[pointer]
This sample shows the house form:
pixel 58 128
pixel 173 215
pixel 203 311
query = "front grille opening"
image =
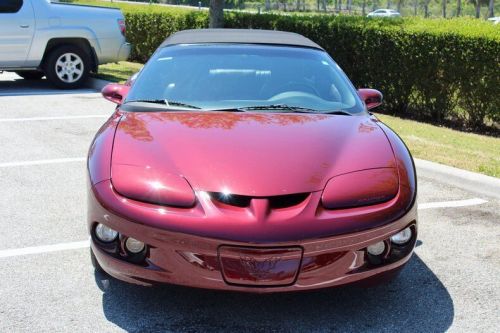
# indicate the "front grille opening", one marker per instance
pixel 275 202
pixel 232 200
pixel 288 200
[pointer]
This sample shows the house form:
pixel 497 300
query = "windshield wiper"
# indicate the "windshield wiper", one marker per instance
pixel 165 102
pixel 290 108
pixel 275 107
pixel 283 107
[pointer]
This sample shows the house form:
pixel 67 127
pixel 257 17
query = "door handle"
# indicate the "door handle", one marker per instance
pixel 25 26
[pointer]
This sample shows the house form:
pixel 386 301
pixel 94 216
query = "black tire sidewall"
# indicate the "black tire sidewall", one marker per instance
pixel 50 63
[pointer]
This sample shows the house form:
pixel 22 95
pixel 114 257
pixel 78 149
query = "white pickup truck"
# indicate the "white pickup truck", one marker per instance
pixel 61 41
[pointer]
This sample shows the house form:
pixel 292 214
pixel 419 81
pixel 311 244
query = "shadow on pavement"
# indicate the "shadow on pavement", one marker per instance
pixel 415 301
pixel 13 85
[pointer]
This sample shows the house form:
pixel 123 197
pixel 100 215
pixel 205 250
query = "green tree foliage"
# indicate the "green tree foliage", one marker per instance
pixel 434 69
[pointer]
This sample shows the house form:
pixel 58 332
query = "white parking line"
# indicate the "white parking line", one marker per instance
pixel 452 204
pixel 41 162
pixel 31 92
pixel 8 120
pixel 43 249
pixel 85 244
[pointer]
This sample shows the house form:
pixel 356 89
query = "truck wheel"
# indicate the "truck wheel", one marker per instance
pixel 31 75
pixel 67 67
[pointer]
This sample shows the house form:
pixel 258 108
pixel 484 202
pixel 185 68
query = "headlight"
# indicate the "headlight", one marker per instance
pixel 361 188
pixel 133 245
pixel 105 233
pixel 402 237
pixel 376 249
pixel 148 185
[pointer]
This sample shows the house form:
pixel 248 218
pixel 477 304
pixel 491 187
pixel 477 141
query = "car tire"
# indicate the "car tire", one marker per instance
pixel 31 75
pixel 67 67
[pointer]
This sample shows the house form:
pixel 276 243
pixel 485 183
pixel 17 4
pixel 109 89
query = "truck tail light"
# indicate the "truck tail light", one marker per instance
pixel 122 26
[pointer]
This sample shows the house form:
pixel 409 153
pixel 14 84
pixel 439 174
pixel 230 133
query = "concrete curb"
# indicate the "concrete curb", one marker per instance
pixel 96 84
pixel 467 180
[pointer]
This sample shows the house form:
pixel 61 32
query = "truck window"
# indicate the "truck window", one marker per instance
pixel 10 6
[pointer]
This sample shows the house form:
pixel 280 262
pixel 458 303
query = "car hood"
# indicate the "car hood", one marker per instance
pixel 247 153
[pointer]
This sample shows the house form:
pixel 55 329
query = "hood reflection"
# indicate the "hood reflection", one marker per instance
pixel 136 124
pixel 367 127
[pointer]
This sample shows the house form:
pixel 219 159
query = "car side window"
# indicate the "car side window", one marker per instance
pixel 10 6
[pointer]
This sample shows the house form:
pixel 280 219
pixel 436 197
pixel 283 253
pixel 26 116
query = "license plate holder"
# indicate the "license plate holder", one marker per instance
pixel 253 266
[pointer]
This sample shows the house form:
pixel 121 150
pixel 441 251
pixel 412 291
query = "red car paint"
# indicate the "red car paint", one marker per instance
pixel 152 176
pixel 185 241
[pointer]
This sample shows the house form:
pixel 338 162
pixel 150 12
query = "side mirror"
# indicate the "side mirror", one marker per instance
pixel 371 97
pixel 115 92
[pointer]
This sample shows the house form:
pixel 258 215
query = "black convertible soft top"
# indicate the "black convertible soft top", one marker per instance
pixel 239 36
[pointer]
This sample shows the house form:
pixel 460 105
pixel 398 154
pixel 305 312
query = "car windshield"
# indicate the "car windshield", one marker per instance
pixel 236 76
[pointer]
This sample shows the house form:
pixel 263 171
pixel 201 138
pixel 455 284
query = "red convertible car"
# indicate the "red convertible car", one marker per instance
pixel 246 160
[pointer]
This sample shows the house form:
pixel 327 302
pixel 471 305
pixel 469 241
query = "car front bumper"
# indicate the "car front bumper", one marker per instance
pixel 207 262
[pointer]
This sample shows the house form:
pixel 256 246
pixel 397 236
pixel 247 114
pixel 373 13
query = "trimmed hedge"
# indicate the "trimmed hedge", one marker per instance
pixel 438 70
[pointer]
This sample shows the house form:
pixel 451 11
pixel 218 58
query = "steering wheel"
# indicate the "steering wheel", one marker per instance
pixel 297 86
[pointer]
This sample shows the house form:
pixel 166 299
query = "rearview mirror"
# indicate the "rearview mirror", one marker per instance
pixel 371 97
pixel 115 92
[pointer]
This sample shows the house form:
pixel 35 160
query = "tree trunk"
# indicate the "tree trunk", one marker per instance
pixel 444 8
pixel 491 8
pixel 323 5
pixel 426 9
pixel 389 4
pixel 364 7
pixel 478 8
pixel 349 5
pixel 400 3
pixel 268 4
pixel 459 7
pixel 415 6
pixel 216 14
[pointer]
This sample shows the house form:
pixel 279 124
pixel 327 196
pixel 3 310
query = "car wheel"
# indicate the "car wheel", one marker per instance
pixel 67 67
pixel 31 75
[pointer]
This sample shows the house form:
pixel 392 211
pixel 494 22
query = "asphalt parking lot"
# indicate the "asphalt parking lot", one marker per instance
pixel 48 284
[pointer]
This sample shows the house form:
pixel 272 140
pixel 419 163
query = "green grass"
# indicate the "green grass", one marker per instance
pixel 467 151
pixel 118 72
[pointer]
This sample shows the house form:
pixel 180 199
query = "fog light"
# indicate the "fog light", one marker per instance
pixel 376 249
pixel 402 237
pixel 105 234
pixel 133 245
